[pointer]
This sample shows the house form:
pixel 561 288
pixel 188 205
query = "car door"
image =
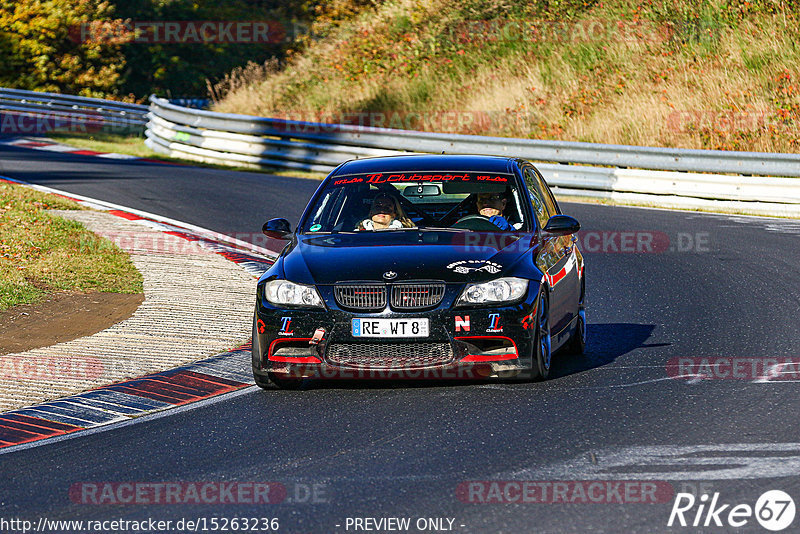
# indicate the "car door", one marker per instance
pixel 556 259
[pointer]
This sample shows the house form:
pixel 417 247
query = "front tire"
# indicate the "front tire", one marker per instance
pixel 285 382
pixel 543 353
pixel 577 343
pixel 262 381
pixel 267 382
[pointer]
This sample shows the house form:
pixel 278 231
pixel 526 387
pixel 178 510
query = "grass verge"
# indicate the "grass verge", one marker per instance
pixel 109 142
pixel 41 253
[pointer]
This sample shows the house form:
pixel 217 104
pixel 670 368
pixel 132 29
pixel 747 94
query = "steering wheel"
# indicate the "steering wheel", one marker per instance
pixel 476 222
pixel 447 217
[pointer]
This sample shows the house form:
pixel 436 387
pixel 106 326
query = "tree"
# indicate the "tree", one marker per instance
pixel 42 47
pixel 180 67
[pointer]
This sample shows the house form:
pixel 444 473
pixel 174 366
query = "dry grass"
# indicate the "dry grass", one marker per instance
pixel 711 74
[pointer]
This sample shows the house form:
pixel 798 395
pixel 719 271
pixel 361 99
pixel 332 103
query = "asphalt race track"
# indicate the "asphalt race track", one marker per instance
pixel 721 288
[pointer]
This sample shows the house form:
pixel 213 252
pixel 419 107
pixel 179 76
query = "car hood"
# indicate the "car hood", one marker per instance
pixel 452 256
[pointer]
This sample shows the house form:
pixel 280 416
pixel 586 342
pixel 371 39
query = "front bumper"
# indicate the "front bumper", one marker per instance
pixel 466 343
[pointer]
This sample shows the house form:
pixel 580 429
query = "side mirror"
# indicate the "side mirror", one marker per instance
pixel 562 225
pixel 277 228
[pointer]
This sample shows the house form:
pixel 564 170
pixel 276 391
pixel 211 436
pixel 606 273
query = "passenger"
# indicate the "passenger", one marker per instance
pixel 385 212
pixel 491 206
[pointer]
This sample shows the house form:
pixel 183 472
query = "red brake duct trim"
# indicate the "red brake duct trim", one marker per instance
pixel 290 359
pixel 489 357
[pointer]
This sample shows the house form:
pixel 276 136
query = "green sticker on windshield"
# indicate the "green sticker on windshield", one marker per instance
pixel 315 227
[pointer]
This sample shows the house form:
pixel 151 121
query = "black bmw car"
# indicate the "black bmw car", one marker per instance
pixel 421 267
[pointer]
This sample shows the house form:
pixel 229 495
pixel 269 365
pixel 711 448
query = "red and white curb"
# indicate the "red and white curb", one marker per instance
pixel 126 401
pixel 131 399
pixel 251 257
pixel 52 146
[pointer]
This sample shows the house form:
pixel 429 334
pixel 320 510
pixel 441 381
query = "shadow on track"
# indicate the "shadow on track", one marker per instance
pixel 607 342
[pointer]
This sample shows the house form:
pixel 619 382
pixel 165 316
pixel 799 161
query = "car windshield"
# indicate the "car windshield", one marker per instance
pixel 478 201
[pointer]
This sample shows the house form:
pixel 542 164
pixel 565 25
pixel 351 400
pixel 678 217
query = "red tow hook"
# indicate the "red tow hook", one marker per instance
pixel 319 334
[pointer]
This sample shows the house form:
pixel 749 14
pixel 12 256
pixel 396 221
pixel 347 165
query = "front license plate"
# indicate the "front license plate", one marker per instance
pixel 390 327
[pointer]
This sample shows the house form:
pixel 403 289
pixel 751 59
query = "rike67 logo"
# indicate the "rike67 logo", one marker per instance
pixel 774 510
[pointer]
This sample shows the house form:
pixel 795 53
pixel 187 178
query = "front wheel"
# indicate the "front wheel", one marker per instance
pixel 542 357
pixel 266 382
pixel 286 382
pixel 577 343
pixel 277 380
pixel 262 381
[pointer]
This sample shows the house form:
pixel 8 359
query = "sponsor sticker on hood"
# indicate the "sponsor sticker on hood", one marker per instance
pixel 471 266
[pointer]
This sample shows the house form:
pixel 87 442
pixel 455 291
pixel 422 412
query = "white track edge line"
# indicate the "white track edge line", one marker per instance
pixel 158 413
pixel 179 224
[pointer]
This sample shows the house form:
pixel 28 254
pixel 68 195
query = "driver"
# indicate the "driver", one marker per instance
pixel 491 206
pixel 385 212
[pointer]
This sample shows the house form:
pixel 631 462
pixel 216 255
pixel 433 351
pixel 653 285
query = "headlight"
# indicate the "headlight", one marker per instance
pixel 286 293
pixel 494 292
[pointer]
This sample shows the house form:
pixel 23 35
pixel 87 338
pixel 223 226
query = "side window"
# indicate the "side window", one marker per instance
pixel 327 212
pixel 547 195
pixel 539 198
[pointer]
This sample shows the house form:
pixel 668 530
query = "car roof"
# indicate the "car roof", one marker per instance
pixel 426 163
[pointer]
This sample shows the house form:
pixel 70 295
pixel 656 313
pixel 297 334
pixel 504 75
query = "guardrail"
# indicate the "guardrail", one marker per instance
pixel 266 142
pixel 29 112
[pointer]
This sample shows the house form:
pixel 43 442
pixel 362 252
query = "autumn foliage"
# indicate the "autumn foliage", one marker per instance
pixel 53 45
pixel 38 53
